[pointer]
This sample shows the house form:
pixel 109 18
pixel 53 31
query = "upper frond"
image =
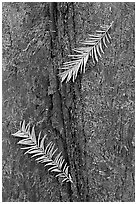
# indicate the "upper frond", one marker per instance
pixel 43 154
pixel 94 46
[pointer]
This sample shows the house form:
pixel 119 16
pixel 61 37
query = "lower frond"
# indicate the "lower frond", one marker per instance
pixel 43 154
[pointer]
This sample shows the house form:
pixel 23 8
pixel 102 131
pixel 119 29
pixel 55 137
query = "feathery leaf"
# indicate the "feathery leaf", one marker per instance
pixel 94 46
pixel 44 154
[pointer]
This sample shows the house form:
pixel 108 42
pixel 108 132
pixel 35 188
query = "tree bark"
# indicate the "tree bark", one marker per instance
pixel 58 96
pixel 70 135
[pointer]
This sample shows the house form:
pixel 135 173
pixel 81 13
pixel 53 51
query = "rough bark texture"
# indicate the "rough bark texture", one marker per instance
pixel 91 121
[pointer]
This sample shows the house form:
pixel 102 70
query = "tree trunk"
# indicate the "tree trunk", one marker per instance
pixel 91 121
